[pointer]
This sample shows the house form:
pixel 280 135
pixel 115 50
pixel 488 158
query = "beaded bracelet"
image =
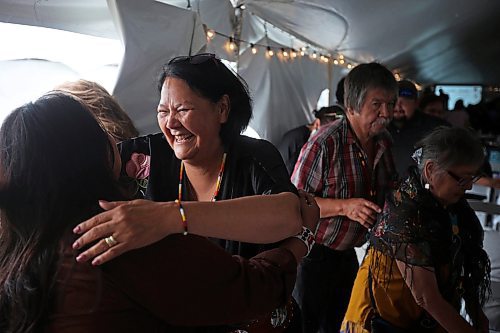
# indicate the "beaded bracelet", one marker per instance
pixel 183 217
pixel 307 237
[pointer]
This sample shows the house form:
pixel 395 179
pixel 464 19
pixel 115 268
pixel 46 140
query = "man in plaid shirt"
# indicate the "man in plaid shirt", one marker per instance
pixel 348 166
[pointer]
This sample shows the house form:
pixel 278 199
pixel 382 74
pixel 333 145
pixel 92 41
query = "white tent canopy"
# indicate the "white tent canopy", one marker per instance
pixel 446 41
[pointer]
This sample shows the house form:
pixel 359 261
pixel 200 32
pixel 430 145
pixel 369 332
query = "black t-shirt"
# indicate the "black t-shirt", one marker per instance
pixel 252 167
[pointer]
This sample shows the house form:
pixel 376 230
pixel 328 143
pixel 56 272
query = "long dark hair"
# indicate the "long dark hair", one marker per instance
pixel 55 164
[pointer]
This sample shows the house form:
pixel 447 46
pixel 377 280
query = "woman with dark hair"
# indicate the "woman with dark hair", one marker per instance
pixel 426 253
pixel 199 156
pixel 56 163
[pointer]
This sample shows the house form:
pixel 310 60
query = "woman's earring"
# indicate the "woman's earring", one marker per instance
pixel 427 186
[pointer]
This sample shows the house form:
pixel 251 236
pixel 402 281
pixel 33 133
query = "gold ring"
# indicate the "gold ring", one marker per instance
pixel 111 241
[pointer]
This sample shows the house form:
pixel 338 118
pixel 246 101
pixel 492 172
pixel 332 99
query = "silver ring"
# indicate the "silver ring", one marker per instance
pixel 111 241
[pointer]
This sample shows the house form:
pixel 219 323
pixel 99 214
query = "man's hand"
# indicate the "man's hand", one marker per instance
pixel 361 210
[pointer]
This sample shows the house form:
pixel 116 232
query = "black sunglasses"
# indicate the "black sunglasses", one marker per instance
pixel 463 181
pixel 196 59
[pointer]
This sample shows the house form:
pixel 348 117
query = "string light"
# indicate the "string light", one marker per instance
pixel 270 52
pixel 254 49
pixel 286 53
pixel 210 34
pixel 232 44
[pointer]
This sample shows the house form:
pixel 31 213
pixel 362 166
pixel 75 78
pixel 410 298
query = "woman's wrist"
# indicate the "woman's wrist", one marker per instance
pixel 306 236
pixel 172 219
pixel 301 244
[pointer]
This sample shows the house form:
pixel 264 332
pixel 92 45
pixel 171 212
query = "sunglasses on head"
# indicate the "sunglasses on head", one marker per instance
pixel 463 181
pixel 196 59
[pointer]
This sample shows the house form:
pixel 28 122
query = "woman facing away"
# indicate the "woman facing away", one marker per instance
pixel 426 254
pixel 56 163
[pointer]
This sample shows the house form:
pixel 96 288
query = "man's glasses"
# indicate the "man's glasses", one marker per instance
pixel 196 59
pixel 464 181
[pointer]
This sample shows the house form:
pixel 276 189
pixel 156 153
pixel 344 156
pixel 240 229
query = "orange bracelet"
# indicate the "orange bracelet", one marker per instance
pixel 183 217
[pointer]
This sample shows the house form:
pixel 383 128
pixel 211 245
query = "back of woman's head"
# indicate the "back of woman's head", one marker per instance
pixel 55 164
pixel 209 77
pixel 97 99
pixel 54 150
pixel 449 147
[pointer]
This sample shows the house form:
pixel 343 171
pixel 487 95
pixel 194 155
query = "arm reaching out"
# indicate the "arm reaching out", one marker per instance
pixel 360 210
pixel 138 223
pixel 423 285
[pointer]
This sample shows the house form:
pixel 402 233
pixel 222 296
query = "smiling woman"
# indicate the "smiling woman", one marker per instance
pixel 201 156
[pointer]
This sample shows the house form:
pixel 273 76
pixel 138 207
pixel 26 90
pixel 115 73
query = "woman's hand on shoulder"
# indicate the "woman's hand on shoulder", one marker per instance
pixel 124 226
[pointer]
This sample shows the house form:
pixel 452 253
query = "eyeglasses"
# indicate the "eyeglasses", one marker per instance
pixel 463 181
pixel 196 59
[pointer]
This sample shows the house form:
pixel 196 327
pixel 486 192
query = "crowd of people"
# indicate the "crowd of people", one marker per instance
pixel 200 229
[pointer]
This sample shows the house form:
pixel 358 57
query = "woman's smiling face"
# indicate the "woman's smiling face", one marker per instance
pixel 191 123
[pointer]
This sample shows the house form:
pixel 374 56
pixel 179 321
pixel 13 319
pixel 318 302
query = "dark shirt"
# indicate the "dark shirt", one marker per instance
pixel 406 137
pixel 252 167
pixel 291 144
pixel 178 281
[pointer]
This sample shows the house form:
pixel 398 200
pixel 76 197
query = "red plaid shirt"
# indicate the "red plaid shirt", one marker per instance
pixel 332 164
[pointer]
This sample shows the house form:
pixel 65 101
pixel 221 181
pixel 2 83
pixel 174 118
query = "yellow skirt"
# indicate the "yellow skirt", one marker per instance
pixel 393 298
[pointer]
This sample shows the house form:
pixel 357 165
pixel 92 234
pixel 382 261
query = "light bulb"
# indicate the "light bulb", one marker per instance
pixel 270 52
pixel 254 49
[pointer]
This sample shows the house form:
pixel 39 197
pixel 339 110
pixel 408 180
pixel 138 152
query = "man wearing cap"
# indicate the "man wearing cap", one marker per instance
pixel 408 126
pixel 348 167
pixel 294 139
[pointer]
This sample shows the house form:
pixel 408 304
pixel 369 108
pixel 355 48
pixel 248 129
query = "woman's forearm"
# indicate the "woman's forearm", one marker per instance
pixel 423 285
pixel 254 219
pixel 134 224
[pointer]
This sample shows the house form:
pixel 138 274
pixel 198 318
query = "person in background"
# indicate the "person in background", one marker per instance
pixel 408 126
pixel 458 117
pixel 56 163
pixel 294 139
pixel 104 107
pixel 433 105
pixel 348 167
pixel 426 249
pixel 200 156
pixel 339 93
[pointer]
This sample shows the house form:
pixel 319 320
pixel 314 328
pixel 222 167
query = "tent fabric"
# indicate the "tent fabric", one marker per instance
pixel 429 41
pixel 90 17
pixel 280 101
pixel 149 44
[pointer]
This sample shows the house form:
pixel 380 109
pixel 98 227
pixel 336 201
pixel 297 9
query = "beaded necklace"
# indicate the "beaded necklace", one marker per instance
pixel 217 186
